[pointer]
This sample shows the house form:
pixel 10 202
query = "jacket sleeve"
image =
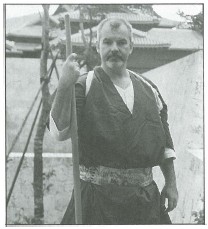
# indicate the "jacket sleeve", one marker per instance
pixel 164 119
pixel 163 110
pixel 80 100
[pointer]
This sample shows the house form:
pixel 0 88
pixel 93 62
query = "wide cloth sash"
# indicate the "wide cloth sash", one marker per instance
pixel 101 175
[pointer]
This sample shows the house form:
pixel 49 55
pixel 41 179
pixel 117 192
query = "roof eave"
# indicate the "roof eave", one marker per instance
pixel 152 46
pixel 144 22
pixel 84 20
pixel 81 44
pixel 186 49
pixel 27 36
pixel 22 35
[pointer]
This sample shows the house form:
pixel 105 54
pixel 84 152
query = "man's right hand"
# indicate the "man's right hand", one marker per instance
pixel 70 71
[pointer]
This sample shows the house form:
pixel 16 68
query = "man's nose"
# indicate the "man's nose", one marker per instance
pixel 114 47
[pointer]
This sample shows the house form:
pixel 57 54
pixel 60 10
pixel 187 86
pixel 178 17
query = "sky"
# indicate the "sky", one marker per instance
pixel 166 11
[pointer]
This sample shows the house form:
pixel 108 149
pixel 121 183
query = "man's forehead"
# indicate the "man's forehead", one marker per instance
pixel 112 27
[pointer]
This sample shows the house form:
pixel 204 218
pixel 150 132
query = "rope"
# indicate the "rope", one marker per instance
pixel 57 73
pixel 32 105
pixel 22 158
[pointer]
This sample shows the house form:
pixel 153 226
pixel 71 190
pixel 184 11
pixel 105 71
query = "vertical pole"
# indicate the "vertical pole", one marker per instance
pixel 74 137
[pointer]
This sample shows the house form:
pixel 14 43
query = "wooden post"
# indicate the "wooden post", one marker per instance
pixel 40 131
pixel 74 137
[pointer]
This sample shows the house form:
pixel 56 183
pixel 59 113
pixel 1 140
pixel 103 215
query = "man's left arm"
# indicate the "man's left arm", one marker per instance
pixel 170 189
pixel 167 166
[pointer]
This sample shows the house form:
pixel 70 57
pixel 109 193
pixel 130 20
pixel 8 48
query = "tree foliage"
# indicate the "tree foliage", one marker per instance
pixel 195 22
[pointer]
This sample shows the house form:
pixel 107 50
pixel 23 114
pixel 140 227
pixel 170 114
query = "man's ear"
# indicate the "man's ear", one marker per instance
pixel 97 46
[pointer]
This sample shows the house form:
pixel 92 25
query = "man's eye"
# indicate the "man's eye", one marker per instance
pixel 107 42
pixel 121 42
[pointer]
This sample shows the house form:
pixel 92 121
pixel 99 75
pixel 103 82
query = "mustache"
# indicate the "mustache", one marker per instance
pixel 115 55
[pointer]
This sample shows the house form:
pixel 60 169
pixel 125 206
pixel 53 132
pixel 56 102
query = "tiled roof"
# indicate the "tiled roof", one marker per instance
pixel 147 42
pixel 139 33
pixel 32 31
pixel 167 23
pixel 133 18
pixel 75 16
pixel 140 39
pixel 15 23
pixel 182 39
pixel 27 31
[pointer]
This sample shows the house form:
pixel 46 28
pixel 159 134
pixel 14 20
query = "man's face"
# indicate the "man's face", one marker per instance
pixel 114 46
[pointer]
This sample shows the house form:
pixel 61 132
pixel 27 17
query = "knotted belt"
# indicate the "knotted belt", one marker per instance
pixel 101 175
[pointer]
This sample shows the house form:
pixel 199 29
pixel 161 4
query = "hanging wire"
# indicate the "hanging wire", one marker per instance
pixel 22 158
pixel 49 72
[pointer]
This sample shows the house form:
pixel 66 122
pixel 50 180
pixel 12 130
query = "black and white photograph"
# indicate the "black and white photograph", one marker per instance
pixel 104 114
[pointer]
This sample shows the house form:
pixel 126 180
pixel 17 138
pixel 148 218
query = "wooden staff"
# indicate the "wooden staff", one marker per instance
pixel 74 137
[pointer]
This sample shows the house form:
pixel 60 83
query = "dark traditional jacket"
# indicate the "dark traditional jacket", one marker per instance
pixel 109 135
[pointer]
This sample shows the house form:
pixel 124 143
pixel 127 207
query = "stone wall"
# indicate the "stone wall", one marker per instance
pixel 58 184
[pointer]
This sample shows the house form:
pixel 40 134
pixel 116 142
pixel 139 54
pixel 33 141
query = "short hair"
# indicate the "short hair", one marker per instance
pixel 115 23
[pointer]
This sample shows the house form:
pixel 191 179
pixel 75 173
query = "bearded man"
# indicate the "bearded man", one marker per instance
pixel 123 132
